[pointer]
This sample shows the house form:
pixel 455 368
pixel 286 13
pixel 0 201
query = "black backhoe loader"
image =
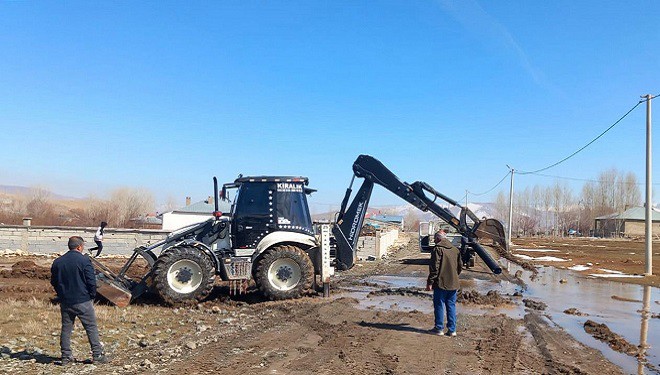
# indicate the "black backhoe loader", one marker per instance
pixel 269 237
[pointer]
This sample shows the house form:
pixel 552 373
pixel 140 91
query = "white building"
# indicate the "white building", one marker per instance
pixel 192 214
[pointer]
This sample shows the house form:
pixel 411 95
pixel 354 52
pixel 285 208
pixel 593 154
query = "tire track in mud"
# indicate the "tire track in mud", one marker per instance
pixel 549 344
pixel 497 352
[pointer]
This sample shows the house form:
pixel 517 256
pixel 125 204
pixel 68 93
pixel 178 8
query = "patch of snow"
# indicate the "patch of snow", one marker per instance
pixel 611 271
pixel 541 250
pixel 606 275
pixel 579 267
pixel 550 259
pixel 540 259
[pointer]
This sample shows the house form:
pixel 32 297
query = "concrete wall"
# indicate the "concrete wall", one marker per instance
pixel 175 220
pixel 377 246
pixel 638 228
pixel 47 240
pixel 623 228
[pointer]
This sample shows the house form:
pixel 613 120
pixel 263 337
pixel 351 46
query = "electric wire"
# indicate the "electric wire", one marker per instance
pixel 587 179
pixel 491 189
pixel 588 144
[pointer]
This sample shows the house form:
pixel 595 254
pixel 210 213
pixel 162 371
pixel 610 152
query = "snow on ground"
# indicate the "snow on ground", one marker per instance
pixel 611 271
pixel 540 250
pixel 606 275
pixel 540 259
pixel 579 267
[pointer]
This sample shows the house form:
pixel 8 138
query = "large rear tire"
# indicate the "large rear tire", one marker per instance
pixel 183 275
pixel 284 272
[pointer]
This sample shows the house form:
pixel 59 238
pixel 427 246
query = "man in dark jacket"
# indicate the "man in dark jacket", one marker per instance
pixel 72 276
pixel 444 269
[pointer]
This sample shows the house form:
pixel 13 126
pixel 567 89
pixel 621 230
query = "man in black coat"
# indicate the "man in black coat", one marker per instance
pixel 72 276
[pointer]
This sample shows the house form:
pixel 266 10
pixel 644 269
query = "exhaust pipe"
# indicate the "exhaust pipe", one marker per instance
pixel 216 212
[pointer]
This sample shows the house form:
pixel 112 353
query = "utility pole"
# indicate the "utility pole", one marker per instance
pixel 649 194
pixel 513 171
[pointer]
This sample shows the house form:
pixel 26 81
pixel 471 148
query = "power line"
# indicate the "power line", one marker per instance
pixel 584 179
pixel 588 144
pixel 645 100
pixel 491 189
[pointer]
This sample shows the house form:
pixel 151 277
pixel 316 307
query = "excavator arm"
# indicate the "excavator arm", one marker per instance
pixel 421 195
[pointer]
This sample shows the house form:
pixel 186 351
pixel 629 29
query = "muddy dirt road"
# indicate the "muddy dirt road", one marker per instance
pixel 374 323
pixel 616 259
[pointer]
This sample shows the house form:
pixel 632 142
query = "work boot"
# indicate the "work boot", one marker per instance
pixel 435 331
pixel 66 361
pixel 101 359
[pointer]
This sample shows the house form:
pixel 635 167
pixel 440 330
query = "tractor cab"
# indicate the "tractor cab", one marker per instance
pixel 267 204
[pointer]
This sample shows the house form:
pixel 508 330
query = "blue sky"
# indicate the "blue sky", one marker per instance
pixel 165 95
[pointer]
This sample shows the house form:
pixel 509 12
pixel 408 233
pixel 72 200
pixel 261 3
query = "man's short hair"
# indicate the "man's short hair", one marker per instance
pixel 75 241
pixel 439 235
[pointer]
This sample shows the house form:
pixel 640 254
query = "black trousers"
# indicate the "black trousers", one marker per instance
pixel 98 248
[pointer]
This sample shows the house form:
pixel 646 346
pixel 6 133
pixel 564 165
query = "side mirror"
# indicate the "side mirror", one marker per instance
pixel 223 193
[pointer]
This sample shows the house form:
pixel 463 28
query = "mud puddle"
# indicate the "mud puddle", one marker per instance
pixel 617 305
pixel 407 293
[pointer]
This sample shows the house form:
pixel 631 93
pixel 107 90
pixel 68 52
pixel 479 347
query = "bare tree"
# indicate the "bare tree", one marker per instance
pixel 171 204
pixel 129 203
pixel 502 207
pixel 547 205
pixel 39 206
pixel 631 193
pixel 411 221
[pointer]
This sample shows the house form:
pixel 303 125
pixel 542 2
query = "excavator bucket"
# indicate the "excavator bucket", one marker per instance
pixel 493 229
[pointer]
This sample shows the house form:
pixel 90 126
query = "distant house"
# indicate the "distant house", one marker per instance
pixel 150 221
pixel 192 213
pixel 390 219
pixel 629 223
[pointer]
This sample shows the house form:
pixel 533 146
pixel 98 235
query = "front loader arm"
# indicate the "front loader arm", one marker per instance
pixel 421 195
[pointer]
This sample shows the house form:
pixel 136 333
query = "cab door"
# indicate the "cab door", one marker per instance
pixel 425 237
pixel 251 215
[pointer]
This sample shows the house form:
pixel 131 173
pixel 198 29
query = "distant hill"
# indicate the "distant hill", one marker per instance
pixel 486 209
pixel 24 190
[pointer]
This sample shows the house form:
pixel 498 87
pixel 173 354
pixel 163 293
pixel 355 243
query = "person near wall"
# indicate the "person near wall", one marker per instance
pixel 72 276
pixel 444 268
pixel 98 239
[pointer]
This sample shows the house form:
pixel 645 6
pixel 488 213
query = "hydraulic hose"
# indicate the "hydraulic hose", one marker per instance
pixel 485 256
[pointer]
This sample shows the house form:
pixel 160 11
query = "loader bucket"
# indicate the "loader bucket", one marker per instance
pixel 117 288
pixel 493 229
pixel 117 295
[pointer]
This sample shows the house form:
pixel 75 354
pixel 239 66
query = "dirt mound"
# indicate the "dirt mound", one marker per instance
pixel 603 333
pixel 574 311
pixel 492 298
pixel 27 269
pixel 405 292
pixel 534 305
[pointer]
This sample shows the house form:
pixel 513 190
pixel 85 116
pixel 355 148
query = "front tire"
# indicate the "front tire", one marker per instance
pixel 284 272
pixel 183 275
